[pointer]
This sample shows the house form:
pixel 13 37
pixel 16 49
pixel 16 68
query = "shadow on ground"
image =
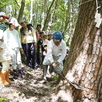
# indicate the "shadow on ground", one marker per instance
pixel 31 89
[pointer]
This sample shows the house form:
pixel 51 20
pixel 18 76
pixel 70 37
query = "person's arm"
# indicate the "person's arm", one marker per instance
pixel 63 54
pixel 18 39
pixel 20 36
pixel 1 34
pixel 19 42
pixel 1 40
pixel 49 52
pixel 61 58
pixel 6 37
pixel 34 36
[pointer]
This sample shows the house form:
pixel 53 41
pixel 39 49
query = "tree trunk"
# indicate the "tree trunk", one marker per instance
pixel 52 15
pixel 48 13
pixel 21 10
pixel 84 62
pixel 43 12
pixel 71 28
pixel 31 11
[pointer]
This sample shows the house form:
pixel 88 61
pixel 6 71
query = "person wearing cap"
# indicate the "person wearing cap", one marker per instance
pixel 38 30
pixel 2 19
pixel 50 34
pixel 39 35
pixel 11 38
pixel 29 43
pixel 4 53
pixel 56 52
pixel 40 48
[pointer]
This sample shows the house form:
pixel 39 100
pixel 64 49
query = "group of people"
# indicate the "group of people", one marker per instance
pixel 38 48
pixel 10 50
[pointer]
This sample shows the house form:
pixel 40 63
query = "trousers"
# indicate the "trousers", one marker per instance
pixel 15 58
pixel 5 66
pixel 29 51
pixel 59 68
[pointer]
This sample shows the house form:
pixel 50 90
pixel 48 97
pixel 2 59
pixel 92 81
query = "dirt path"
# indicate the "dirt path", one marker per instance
pixel 30 89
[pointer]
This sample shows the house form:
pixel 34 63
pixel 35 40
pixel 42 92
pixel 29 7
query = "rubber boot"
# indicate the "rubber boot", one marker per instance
pixel 7 76
pixel 3 79
pixel 16 73
pixel 45 71
pixel 21 73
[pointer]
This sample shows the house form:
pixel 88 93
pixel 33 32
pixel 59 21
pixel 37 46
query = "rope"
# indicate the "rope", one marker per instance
pixel 85 2
pixel 97 7
pixel 96 4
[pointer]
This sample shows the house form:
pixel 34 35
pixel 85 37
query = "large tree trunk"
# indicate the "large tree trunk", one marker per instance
pixel 84 63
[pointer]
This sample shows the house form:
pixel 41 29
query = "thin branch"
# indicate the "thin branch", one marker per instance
pixel 17 3
pixel 48 12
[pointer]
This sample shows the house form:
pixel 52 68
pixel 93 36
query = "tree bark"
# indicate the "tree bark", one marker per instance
pixel 48 13
pixel 44 2
pixel 71 28
pixel 52 15
pixel 21 10
pixel 84 62
pixel 31 11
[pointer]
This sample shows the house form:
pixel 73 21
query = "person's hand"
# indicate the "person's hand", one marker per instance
pixel 1 48
pixel 22 51
pixel 35 45
pixel 55 64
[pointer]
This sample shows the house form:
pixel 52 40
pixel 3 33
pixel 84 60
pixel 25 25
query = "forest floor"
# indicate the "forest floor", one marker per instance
pixel 31 89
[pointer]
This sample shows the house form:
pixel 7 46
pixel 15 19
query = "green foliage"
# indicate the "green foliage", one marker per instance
pixel 61 17
pixel 56 77
pixel 2 98
pixel 3 4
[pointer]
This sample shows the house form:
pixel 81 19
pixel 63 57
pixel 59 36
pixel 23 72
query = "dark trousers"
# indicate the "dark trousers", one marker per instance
pixel 29 51
pixel 39 54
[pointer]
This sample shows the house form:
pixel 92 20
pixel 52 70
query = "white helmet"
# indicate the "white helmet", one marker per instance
pixel 14 22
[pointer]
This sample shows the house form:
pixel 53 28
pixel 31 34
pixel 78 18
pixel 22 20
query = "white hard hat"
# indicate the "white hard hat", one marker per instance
pixel 2 14
pixel 14 22
pixel 50 33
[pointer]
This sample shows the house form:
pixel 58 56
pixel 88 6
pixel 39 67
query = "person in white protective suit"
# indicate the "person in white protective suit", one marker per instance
pixel 11 38
pixel 4 53
pixel 56 52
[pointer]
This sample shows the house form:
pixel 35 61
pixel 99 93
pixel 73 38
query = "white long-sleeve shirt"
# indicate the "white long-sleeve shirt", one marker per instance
pixel 12 39
pixel 4 53
pixel 53 50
